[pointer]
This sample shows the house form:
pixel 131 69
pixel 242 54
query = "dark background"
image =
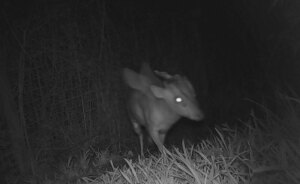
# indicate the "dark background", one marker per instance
pixel 61 64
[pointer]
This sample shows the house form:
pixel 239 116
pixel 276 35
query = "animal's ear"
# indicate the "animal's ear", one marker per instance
pixel 158 92
pixel 135 80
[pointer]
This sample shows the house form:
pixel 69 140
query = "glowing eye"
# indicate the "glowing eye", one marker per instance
pixel 178 99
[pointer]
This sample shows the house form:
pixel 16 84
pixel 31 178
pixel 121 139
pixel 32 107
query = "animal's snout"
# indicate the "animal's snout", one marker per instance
pixel 197 115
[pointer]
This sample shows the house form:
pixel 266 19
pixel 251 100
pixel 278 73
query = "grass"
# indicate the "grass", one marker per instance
pixel 259 150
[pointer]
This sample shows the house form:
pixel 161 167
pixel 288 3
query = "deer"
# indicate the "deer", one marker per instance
pixel 157 101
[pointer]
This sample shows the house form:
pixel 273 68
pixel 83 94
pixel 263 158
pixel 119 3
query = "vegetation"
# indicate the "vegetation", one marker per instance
pixel 259 151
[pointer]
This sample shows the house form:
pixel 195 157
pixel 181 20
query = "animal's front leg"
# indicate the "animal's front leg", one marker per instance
pixel 141 145
pixel 155 135
pixel 162 136
pixel 138 130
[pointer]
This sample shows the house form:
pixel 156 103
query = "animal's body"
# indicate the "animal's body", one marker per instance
pixel 157 101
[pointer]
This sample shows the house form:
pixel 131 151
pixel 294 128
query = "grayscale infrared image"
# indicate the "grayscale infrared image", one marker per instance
pixel 149 92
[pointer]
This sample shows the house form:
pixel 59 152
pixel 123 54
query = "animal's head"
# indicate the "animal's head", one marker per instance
pixel 179 94
pixel 176 91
